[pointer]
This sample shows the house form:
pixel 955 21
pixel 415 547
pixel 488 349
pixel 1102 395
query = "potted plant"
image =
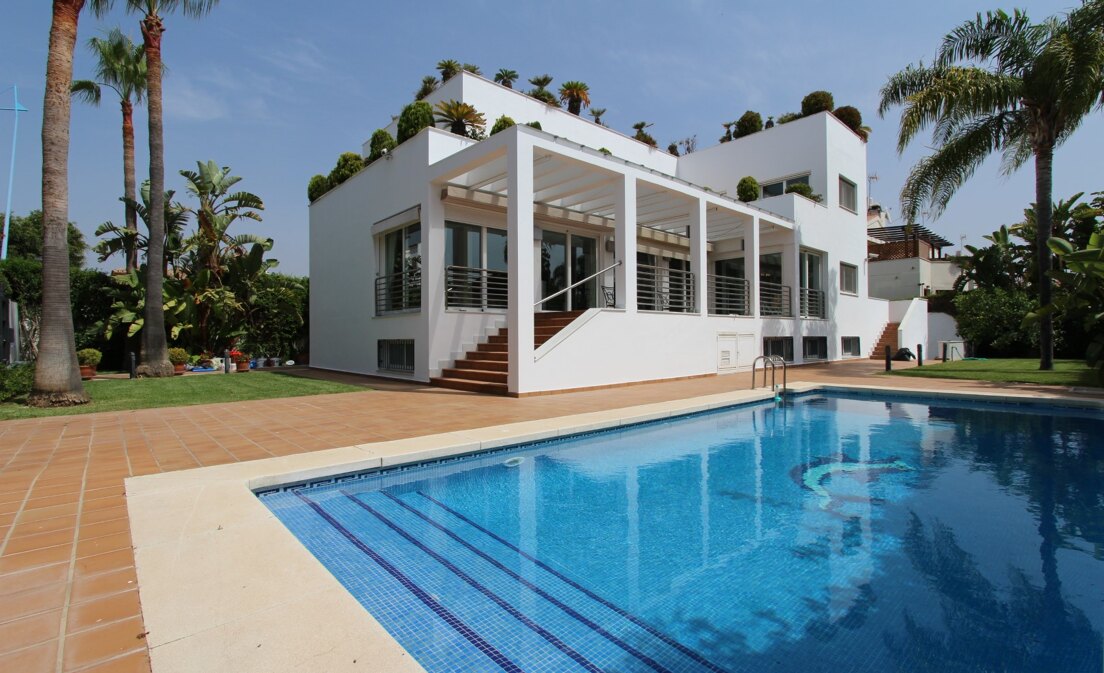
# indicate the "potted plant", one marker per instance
pixel 241 360
pixel 88 358
pixel 179 358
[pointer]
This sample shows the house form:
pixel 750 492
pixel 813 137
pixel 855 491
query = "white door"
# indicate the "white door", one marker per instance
pixel 745 350
pixel 727 357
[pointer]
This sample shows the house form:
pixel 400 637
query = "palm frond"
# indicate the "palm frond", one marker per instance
pixel 87 91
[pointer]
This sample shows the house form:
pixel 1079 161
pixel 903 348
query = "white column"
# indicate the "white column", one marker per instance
pixel 519 228
pixel 625 233
pixel 751 265
pixel 791 273
pixel 698 255
pixel 433 279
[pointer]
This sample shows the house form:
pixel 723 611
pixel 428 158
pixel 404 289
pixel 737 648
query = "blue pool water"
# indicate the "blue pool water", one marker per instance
pixel 829 533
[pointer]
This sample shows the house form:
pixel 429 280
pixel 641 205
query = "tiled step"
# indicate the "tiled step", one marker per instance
pixel 484 354
pixel 489 365
pixel 888 338
pixel 485 387
pixel 474 375
pixel 492 348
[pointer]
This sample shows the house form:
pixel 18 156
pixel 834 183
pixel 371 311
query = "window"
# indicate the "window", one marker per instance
pixel 399 283
pixel 779 187
pixel 849 278
pixel 780 346
pixel 814 348
pixel 848 196
pixel 850 346
pixel 396 355
pixel 475 267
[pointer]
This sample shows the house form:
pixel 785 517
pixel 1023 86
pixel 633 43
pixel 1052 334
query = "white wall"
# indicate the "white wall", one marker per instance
pixel 913 321
pixel 941 327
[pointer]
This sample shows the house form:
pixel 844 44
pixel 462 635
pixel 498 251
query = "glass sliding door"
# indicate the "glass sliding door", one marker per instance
pixel 584 263
pixel 812 285
pixel 554 270
pixel 497 269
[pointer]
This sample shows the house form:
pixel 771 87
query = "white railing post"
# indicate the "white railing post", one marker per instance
pixel 625 236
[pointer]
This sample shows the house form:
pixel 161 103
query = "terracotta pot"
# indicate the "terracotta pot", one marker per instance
pixel 87 371
pixel 178 369
pixel 243 366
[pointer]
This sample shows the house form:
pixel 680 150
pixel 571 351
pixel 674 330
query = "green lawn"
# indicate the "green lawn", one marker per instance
pixel 126 394
pixel 1065 373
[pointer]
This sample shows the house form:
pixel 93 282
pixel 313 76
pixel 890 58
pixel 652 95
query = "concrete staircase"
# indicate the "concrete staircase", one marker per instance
pixel 485 369
pixel 888 338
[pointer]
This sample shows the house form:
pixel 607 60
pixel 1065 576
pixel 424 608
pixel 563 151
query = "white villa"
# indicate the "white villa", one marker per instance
pixel 575 257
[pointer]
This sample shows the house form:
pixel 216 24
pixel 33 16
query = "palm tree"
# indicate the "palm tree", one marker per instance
pixel 218 209
pixel 576 95
pixel 642 135
pixel 541 92
pixel 115 239
pixel 429 85
pixel 506 77
pixel 597 113
pixel 1001 83
pixel 57 378
pixel 472 68
pixel 121 66
pixel 448 68
pixel 460 117
pixel 155 352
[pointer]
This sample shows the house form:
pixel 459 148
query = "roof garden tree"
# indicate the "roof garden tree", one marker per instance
pixel 414 117
pixel 472 68
pixel 748 123
pixel 460 117
pixel 380 144
pixel 317 186
pixel 121 67
pixel 817 101
pixel 506 77
pixel 642 135
pixel 727 137
pixel 575 95
pixel 540 90
pixel 1001 83
pixel 448 68
pixel 501 124
pixel 155 349
pixel 747 189
pixel 429 85
pixel 598 113
pixel 57 377
pixel 348 164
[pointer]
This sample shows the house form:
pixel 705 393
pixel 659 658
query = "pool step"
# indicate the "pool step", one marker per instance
pixel 486 576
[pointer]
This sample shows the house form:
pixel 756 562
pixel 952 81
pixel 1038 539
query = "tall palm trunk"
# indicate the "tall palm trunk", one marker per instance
pixel 129 190
pixel 57 379
pixel 1044 157
pixel 155 348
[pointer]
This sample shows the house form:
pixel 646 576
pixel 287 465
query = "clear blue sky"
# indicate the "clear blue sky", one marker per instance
pixel 277 90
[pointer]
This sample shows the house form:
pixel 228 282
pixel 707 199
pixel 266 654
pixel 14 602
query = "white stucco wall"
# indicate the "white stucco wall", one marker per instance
pixel 941 327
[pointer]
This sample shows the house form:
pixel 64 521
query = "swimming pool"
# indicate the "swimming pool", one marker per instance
pixel 829 533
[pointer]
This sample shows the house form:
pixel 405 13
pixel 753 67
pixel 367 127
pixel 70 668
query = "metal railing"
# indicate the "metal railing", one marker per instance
pixel 775 300
pixel 729 296
pixel 577 284
pixel 468 287
pixel 660 289
pixel 773 361
pixel 400 291
pixel 812 303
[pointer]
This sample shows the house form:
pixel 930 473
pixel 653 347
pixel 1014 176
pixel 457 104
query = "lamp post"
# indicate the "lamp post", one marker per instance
pixel 15 108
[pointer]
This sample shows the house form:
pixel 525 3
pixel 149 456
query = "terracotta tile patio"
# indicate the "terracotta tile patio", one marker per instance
pixel 68 592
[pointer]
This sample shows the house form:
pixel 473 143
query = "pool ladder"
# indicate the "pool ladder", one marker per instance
pixel 773 361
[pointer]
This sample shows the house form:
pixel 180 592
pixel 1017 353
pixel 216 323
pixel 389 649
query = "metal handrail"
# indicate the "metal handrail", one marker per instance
pixel 400 291
pixel 471 287
pixel 662 289
pixel 728 296
pixel 774 300
pixel 577 283
pixel 773 361
pixel 812 303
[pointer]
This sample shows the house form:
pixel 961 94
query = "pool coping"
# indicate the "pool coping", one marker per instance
pixel 197 534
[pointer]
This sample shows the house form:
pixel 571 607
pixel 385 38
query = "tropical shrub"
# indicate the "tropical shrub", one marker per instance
pixel 575 95
pixel 605 151
pixel 461 118
pixel 178 356
pixel 787 117
pixel 991 320
pixel 318 185
pixel 850 116
pixel 277 315
pixel 501 124
pixel 348 165
pixel 16 381
pixel 673 149
pixel 750 122
pixel 535 125
pixel 89 357
pixel 642 135
pixel 413 118
pixel 448 68
pixel 540 90
pixel 381 144
pixel 429 85
pixel 817 101
pixel 747 189
pixel 804 190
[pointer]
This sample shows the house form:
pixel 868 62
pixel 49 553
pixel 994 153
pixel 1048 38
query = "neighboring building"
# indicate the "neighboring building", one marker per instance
pixel 576 256
pixel 906 262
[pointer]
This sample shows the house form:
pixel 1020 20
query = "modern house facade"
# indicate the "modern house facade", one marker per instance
pixel 574 256
pixel 907 262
